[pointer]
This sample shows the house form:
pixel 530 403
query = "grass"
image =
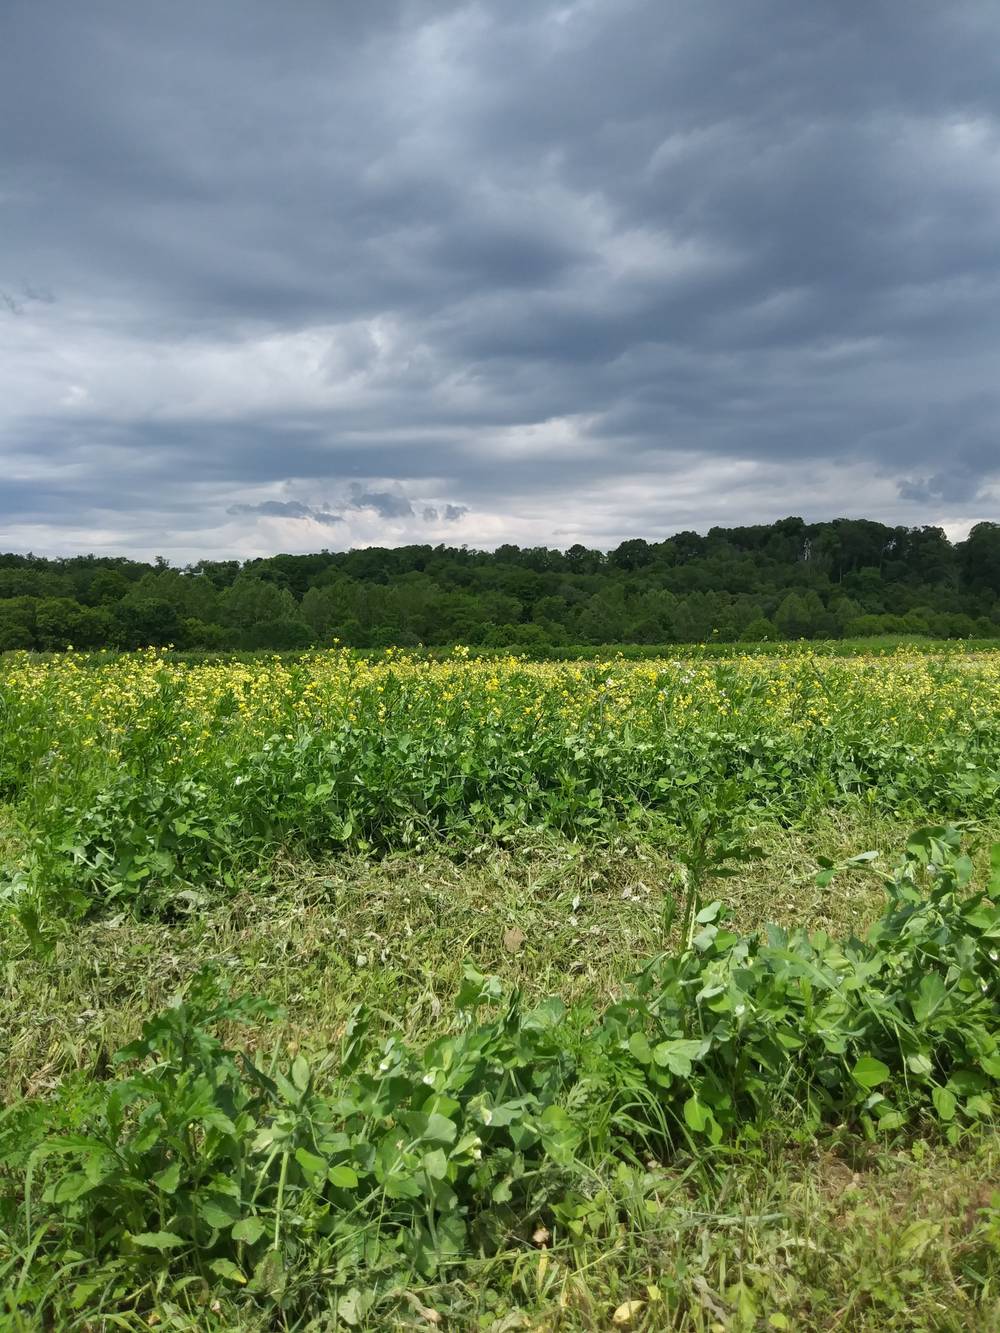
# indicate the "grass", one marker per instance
pixel 875 644
pixel 793 1232
pixel 319 938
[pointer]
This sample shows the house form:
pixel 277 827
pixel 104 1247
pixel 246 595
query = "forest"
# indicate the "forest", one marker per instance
pixel 785 580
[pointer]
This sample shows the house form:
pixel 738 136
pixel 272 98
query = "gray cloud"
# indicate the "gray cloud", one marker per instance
pixel 388 504
pixel 486 271
pixel 448 513
pixel 286 509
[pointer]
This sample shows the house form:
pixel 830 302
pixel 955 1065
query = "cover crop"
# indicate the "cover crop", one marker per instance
pixel 137 778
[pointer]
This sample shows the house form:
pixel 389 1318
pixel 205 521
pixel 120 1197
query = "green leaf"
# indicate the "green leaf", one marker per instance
pixel 695 1115
pixel 978 1105
pixel 313 1166
pixel 300 1073
pixel 930 996
pixel 248 1230
pixel 343 1177
pixel 436 1164
pixel 353 1306
pixel 288 1090
pixel 71 1187
pixel 225 1268
pixel 169 1178
pixel 219 1211
pixel 158 1240
pixel 944 1103
pixel 870 1072
pixel 677 1055
pixel 890 1119
pixel 440 1130
pixel 640 1048
pixel 269 1274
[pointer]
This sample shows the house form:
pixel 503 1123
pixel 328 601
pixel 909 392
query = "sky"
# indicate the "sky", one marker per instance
pixel 334 273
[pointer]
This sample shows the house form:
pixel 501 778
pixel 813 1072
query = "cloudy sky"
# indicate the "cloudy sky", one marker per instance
pixel 284 276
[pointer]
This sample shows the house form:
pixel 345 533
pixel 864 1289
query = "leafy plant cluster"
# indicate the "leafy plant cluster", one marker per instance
pixel 147 782
pixel 336 1184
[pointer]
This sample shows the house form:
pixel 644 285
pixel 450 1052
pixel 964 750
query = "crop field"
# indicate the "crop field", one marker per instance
pixel 480 993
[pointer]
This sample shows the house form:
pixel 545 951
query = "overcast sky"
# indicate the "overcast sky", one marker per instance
pixel 323 273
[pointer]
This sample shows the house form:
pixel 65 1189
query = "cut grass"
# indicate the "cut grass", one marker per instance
pixel 319 939
pixel 800 1235
pixel 845 1236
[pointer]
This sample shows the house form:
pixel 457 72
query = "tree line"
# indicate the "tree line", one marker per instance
pixel 784 580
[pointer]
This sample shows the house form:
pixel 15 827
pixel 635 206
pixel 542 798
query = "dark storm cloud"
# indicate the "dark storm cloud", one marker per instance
pixel 508 269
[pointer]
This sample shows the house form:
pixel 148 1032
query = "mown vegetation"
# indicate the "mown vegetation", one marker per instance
pixel 785 580
pixel 500 994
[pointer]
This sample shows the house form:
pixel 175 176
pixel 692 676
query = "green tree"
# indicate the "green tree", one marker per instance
pixel 251 601
pixel 792 618
pixel 980 558
pixel 145 623
pixel 17 623
pixel 760 630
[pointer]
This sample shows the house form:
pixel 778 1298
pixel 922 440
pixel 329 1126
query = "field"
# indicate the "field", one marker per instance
pixel 493 994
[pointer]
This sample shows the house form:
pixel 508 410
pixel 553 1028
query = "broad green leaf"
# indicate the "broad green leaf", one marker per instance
pixel 890 1119
pixel 314 1167
pixel 219 1211
pixel 158 1240
pixel 440 1129
pixel 248 1230
pixel 343 1177
pixel 931 995
pixel 638 1044
pixel 917 1236
pixel 353 1306
pixel 169 1178
pixel 677 1055
pixel 696 1115
pixel 944 1103
pixel 225 1268
pixel 978 1105
pixel 436 1164
pixel 70 1187
pixel 870 1072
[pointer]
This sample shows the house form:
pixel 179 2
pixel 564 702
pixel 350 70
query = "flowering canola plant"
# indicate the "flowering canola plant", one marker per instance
pixel 142 772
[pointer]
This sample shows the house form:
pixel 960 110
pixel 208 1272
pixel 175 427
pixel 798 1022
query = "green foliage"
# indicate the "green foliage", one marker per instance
pixel 403 757
pixel 214 769
pixel 814 581
pixel 337 1183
